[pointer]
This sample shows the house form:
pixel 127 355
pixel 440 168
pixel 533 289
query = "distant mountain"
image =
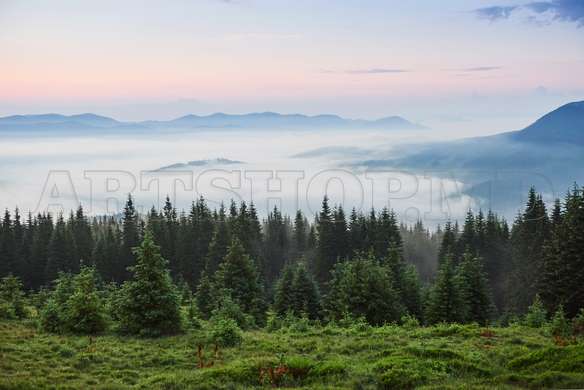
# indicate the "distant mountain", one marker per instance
pixel 85 119
pixel 549 153
pixel 199 163
pixel 563 125
pixel 265 120
pixel 291 121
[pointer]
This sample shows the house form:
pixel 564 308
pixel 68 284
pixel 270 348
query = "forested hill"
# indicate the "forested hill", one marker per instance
pixel 325 268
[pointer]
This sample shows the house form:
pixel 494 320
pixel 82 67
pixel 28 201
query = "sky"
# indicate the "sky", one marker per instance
pixel 479 66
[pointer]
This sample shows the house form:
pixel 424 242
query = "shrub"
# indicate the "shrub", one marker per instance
pixel 228 309
pixel 536 314
pixel 84 311
pixel 401 378
pixel 12 297
pixel 410 322
pixel 225 332
pixel 53 314
pixel 193 315
pixel 559 325
pixel 7 311
pixel 578 323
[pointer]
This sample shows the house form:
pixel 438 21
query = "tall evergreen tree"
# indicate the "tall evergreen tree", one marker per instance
pixel 130 239
pixel 150 303
pixel 445 302
pixel 474 290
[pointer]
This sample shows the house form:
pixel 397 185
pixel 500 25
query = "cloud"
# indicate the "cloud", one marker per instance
pixel 366 71
pixel 375 71
pixel 495 13
pixel 481 69
pixel 563 10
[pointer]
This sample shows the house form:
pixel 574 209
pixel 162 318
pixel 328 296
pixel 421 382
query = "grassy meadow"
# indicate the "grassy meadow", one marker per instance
pixel 299 356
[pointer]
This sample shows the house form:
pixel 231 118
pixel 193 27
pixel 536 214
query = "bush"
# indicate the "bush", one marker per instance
pixel 85 312
pixel 225 332
pixel 401 378
pixel 228 309
pixel 53 314
pixel 410 322
pixel 75 305
pixel 12 297
pixel 578 324
pixel 7 311
pixel 559 325
pixel 536 314
pixel 193 315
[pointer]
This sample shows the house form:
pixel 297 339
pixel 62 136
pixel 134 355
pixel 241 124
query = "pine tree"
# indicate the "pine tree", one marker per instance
pixel 60 252
pixel 205 296
pixel 82 236
pixel 84 310
pixel 7 246
pixel 474 290
pixel 562 278
pixel 238 276
pixel 363 288
pixel 284 296
pixel 528 237
pixel 448 245
pixel 326 252
pixel 130 239
pixel 305 293
pixel 445 302
pixel 150 303
pixel 219 244
pixel 300 234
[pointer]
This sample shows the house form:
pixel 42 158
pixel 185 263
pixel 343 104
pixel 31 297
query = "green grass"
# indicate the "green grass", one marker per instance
pixel 390 357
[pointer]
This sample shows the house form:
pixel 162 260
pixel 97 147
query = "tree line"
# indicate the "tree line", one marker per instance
pixel 361 266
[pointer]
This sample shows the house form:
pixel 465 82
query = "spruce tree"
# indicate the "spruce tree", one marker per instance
pixel 284 296
pixel 305 293
pixel 149 303
pixel 204 296
pixel 326 252
pixel 445 302
pixel 84 309
pixel 238 276
pixel 473 287
pixel 130 239
pixel 363 288
pixel 220 242
pixel 562 278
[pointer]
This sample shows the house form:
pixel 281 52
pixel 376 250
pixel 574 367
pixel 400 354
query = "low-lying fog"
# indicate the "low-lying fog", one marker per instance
pixel 288 169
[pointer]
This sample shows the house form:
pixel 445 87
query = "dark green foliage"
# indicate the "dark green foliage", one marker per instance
pixel 474 290
pixel 326 256
pixel 562 277
pixel 363 287
pixel 130 239
pixel 220 242
pixel 149 304
pixel 238 276
pixel 53 315
pixel 528 237
pixel 12 298
pixel 297 293
pixel 445 301
pixel 84 309
pixel 225 332
pixel 204 297
pixel 536 316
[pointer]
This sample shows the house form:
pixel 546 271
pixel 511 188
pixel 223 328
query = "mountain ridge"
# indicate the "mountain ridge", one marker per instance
pixel 252 120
